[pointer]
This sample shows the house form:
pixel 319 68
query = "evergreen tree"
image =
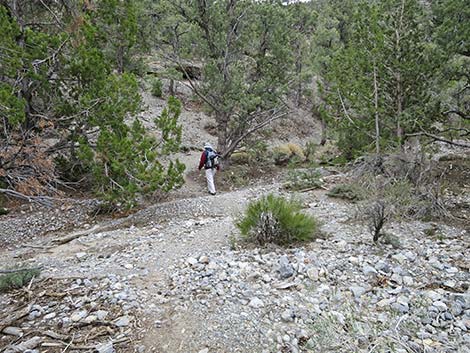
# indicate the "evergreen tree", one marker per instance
pixel 379 84
pixel 62 78
pixel 242 47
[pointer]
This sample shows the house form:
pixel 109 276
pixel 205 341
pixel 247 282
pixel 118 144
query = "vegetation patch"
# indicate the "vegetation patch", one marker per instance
pixel 348 192
pixel 273 219
pixel 157 87
pixel 15 279
pixel 307 179
pixel 288 153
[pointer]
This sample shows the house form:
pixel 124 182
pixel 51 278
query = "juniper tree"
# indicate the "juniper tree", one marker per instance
pixel 65 102
pixel 379 84
pixel 246 62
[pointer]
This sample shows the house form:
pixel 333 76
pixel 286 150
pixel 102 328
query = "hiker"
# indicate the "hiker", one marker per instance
pixel 210 162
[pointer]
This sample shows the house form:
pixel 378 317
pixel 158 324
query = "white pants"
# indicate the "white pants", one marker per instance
pixel 210 173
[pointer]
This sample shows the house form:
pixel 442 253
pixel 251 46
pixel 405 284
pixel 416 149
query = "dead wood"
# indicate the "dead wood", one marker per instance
pixel 24 346
pixel 73 236
pixel 42 200
pixel 9 320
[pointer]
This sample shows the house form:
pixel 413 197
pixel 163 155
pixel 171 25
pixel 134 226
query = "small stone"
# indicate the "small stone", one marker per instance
pixel 408 281
pixel 397 278
pixel 285 268
pixel 399 257
pixel 81 255
pixel 287 316
pixel 129 266
pixel 89 319
pixel 204 259
pixel 256 303
pixel 441 306
pixel 101 314
pixel 191 261
pixel 205 350
pixel 13 331
pixel 266 278
pixel 34 315
pixel 123 321
pixel 79 315
pixel 313 273
pixel 385 302
pixel 368 270
pixel 105 348
pixel 49 316
pixel 456 309
pixel 357 291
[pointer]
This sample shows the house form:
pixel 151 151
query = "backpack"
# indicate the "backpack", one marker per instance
pixel 212 159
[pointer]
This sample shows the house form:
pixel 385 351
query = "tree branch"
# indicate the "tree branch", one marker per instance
pixel 438 138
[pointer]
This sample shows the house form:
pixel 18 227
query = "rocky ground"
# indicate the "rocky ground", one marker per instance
pixel 174 278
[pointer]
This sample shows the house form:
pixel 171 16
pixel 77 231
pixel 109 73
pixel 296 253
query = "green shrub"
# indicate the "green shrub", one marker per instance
pixel 309 151
pixel 273 219
pixel 303 179
pixel 348 192
pixel 157 88
pixel 17 279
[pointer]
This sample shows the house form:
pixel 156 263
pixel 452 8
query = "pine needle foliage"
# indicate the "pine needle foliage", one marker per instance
pixel 17 279
pixel 273 219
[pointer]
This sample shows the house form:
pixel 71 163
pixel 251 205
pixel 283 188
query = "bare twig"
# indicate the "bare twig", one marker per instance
pixel 438 138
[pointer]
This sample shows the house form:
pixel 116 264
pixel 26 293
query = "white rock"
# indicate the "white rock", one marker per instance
pixel 191 260
pixel 399 257
pixel 49 316
pixel 105 348
pixel 256 303
pixel 123 321
pixel 78 315
pixel 204 259
pixel 287 316
pixel 129 266
pixel 101 314
pixel 13 331
pixel 81 255
pixel 368 270
pixel 357 291
pixel 441 306
pixel 313 273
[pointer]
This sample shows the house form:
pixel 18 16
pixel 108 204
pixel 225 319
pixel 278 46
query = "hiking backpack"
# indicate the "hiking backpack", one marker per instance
pixel 212 159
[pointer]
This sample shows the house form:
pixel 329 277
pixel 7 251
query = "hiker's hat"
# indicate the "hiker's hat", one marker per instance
pixel 208 145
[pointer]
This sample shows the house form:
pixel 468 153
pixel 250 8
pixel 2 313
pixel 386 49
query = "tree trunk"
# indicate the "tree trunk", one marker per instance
pixel 298 71
pixel 399 90
pixel 376 108
pixel 172 87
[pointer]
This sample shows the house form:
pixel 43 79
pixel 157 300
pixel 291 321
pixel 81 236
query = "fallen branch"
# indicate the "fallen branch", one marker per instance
pixel 12 318
pixel 24 346
pixel 69 238
pixel 437 138
pixel 42 200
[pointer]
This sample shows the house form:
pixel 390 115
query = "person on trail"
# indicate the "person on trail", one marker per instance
pixel 210 162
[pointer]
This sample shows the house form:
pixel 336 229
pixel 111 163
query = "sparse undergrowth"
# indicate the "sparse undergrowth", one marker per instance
pixel 349 192
pixel 273 219
pixel 303 179
pixel 289 153
pixel 17 279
